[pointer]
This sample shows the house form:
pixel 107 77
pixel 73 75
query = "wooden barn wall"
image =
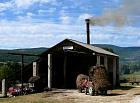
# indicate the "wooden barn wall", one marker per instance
pixel 110 69
pixel 43 70
pixel 27 73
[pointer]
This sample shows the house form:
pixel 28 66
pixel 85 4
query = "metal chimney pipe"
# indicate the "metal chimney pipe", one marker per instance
pixel 88 30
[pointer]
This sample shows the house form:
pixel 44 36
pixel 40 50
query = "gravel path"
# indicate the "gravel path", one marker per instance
pixel 114 96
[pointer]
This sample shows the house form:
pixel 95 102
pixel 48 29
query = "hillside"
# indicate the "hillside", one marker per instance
pixel 4 56
pixel 127 54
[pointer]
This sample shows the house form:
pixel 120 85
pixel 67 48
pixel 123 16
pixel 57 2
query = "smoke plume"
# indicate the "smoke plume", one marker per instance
pixel 127 14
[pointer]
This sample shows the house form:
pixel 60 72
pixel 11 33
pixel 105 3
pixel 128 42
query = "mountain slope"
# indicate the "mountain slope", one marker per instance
pixel 5 57
pixel 127 54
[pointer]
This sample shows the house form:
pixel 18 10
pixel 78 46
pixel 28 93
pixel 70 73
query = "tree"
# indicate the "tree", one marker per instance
pixel 10 70
pixel 5 71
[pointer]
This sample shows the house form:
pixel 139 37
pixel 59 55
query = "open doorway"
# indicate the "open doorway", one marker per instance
pixel 67 66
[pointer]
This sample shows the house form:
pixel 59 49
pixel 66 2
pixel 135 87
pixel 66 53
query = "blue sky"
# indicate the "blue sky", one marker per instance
pixel 43 23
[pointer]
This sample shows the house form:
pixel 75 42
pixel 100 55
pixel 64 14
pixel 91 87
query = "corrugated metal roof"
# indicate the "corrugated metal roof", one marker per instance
pixel 94 48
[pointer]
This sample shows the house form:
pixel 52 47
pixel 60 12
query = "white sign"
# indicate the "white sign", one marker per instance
pixel 67 47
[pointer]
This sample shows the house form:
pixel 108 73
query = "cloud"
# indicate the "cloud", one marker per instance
pixel 126 36
pixel 33 34
pixel 26 18
pixel 46 34
pixel 5 6
pixel 46 25
pixel 64 18
pixel 84 16
pixel 44 12
pixel 22 4
pixel 28 3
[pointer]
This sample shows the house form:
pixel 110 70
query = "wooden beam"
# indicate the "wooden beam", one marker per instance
pixel 23 54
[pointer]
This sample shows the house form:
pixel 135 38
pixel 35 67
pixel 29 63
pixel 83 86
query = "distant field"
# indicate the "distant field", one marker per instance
pixel 129 77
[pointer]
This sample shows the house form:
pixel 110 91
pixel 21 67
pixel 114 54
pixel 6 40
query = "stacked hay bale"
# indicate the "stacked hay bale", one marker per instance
pixel 38 85
pixel 80 80
pixel 91 72
pixel 100 79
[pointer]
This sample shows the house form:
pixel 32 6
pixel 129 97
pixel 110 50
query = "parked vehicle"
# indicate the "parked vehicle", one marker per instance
pixel 81 82
pixel 97 82
pixel 17 90
pixel 14 91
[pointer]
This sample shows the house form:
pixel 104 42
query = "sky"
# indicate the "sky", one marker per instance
pixel 44 23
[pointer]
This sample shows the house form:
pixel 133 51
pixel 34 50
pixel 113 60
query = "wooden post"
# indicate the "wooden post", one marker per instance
pixel 118 72
pixel 98 60
pixel 22 65
pixel 4 93
pixel 35 68
pixel 65 75
pixel 49 71
pixel 114 72
pixel 105 62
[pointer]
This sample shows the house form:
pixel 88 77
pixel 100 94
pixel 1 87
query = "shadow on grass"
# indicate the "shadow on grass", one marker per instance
pixel 114 94
pixel 125 87
pixel 137 94
pixel 49 94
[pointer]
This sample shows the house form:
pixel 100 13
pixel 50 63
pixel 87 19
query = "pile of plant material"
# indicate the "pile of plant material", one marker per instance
pixel 99 77
pixel 80 80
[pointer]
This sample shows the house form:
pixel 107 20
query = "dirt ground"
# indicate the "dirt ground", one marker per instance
pixel 129 95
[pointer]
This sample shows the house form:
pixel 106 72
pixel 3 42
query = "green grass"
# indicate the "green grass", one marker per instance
pixel 34 98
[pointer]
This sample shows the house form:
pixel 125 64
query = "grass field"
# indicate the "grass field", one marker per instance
pixel 121 95
pixel 135 75
pixel 33 98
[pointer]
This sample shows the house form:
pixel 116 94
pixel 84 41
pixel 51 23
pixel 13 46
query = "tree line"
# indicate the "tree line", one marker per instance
pixel 129 68
pixel 10 71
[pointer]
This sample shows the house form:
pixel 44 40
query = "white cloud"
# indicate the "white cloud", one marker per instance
pixel 48 1
pixel 65 20
pixel 23 3
pixel 29 17
pixel 24 35
pixel 84 16
pixel 128 36
pixel 5 6
pixel 46 34
pixel 43 12
pixel 31 32
pixel 27 3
